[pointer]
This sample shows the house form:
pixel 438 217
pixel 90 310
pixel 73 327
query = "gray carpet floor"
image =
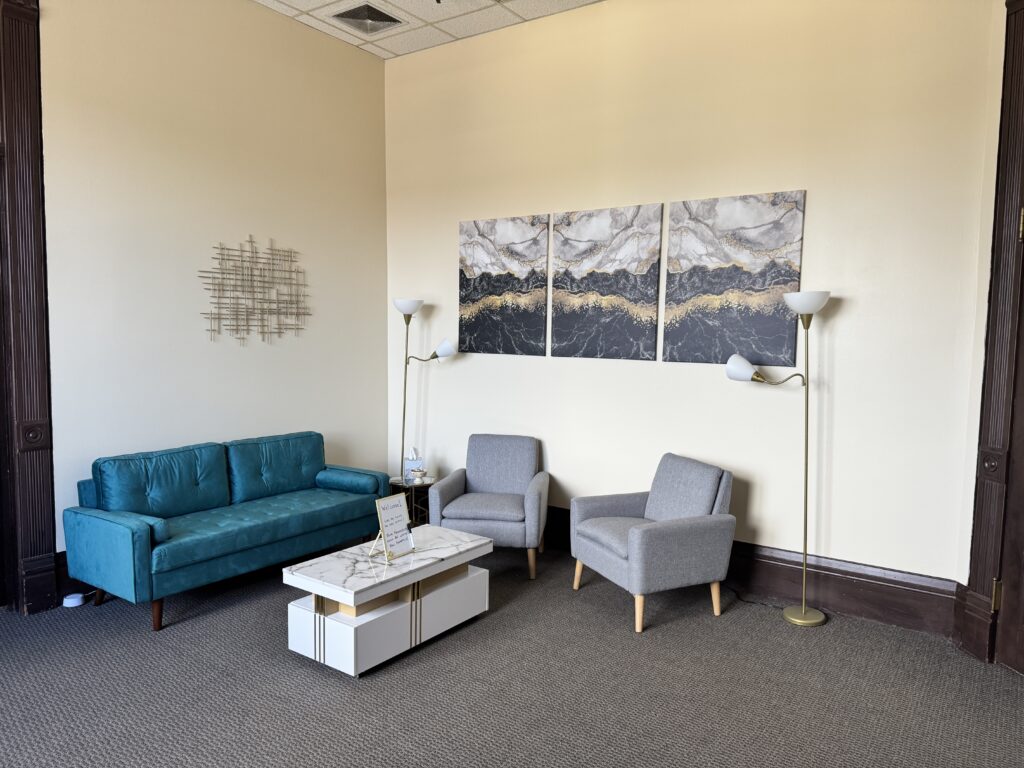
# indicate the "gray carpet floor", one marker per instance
pixel 547 678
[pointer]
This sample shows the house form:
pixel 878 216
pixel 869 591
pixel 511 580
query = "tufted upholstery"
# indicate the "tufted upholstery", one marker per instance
pixel 211 533
pixel 265 466
pixel 162 483
pixel 181 518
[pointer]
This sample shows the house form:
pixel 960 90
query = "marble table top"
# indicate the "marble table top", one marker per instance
pixel 352 577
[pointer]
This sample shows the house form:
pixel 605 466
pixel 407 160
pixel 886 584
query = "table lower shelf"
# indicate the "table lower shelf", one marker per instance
pixel 354 644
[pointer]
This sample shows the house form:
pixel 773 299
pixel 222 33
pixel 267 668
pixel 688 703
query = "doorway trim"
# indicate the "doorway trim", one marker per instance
pixel 977 603
pixel 26 455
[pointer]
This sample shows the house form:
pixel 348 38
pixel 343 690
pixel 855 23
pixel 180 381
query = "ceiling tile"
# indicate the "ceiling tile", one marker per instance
pixel 417 40
pixel 376 50
pixel 327 12
pixel 532 9
pixel 494 17
pixel 431 10
pixel 274 5
pixel 330 29
pixel 306 5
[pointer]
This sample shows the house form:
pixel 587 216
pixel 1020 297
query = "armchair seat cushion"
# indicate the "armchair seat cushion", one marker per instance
pixel 612 533
pixel 487 506
pixel 205 535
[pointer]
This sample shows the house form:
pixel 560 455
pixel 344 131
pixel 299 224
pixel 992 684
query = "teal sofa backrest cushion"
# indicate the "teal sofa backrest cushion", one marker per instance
pixel 267 466
pixel 163 483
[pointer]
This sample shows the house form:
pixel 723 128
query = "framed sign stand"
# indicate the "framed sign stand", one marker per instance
pixel 394 535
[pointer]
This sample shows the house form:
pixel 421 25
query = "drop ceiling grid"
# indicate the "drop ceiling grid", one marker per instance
pixel 418 32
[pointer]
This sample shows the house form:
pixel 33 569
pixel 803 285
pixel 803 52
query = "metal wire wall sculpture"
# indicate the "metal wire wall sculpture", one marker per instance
pixel 254 292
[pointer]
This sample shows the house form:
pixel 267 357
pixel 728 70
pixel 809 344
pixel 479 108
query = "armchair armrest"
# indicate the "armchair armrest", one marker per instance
pixel 444 492
pixel 110 550
pixel 679 553
pixel 354 480
pixel 613 505
pixel 536 503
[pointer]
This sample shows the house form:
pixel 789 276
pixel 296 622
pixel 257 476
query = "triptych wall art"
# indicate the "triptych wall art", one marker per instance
pixel 728 262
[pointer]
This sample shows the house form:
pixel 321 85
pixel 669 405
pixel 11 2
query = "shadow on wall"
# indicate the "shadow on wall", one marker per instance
pixel 740 509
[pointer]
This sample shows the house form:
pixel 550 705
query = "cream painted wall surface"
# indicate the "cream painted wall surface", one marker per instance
pixel 885 112
pixel 167 128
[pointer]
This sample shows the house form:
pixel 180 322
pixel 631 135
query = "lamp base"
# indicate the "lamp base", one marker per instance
pixel 812 617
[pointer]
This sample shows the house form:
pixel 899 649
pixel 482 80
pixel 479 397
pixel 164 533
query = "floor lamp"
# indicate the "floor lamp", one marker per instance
pixel 408 308
pixel 805 304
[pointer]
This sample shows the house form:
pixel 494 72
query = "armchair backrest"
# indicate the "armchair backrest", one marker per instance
pixel 684 487
pixel 501 463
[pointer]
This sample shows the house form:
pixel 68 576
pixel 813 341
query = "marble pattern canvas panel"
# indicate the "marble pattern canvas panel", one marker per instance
pixel 605 266
pixel 503 285
pixel 730 259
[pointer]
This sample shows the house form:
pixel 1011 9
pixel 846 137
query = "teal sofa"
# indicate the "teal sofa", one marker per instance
pixel 149 525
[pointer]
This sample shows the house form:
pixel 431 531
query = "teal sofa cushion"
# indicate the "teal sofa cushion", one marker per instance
pixel 163 483
pixel 343 479
pixel 267 466
pixel 206 535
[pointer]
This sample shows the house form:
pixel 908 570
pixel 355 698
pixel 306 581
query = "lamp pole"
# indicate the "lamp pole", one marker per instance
pixel 801 615
pixel 405 390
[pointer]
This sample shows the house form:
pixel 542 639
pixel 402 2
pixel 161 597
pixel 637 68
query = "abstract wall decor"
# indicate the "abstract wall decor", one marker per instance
pixel 255 292
pixel 605 283
pixel 730 259
pixel 503 285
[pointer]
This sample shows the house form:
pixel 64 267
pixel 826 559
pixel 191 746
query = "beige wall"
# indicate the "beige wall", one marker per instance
pixel 885 112
pixel 169 127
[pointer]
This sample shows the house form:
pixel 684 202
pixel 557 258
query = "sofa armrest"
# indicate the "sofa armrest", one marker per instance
pixel 444 492
pixel 679 553
pixel 536 504
pixel 111 551
pixel 354 480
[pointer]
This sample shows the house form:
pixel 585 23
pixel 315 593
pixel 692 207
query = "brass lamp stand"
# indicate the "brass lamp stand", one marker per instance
pixel 738 368
pixel 408 308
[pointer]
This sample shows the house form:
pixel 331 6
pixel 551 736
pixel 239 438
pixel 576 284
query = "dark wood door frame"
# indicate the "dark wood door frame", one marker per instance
pixel 26 456
pixel 976 609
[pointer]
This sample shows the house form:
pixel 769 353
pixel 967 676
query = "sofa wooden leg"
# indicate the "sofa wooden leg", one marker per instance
pixel 540 546
pixel 638 610
pixel 99 597
pixel 531 559
pixel 579 575
pixel 716 598
pixel 157 607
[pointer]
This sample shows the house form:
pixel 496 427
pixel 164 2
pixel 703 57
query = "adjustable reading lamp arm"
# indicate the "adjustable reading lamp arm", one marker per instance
pixel 762 379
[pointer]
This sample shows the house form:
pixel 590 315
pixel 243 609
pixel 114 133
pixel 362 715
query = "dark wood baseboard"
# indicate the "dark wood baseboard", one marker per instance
pixel 881 594
pixel 974 623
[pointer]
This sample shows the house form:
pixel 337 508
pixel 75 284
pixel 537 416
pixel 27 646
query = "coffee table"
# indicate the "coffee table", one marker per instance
pixel 363 610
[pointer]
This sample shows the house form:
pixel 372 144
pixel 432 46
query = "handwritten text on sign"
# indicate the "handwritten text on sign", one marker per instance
pixel 394 524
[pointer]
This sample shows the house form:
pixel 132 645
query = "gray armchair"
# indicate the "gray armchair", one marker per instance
pixel 500 494
pixel 677 535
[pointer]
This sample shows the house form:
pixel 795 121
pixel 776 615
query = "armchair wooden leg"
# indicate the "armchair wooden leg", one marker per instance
pixel 638 610
pixel 531 558
pixel 540 547
pixel 98 598
pixel 157 607
pixel 716 597
pixel 578 576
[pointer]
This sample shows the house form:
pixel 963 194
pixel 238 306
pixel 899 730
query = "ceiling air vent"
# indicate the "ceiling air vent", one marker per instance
pixel 367 19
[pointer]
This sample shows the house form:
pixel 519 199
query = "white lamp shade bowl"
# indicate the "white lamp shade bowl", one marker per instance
pixel 738 368
pixel 444 349
pixel 408 306
pixel 806 302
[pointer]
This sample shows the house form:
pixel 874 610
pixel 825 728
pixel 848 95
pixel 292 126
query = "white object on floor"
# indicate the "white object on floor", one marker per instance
pixel 74 600
pixel 364 611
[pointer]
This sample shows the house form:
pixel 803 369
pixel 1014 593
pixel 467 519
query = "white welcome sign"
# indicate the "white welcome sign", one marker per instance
pixel 393 515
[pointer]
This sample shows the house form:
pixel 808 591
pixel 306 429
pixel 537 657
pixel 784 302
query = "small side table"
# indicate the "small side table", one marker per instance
pixel 416 497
